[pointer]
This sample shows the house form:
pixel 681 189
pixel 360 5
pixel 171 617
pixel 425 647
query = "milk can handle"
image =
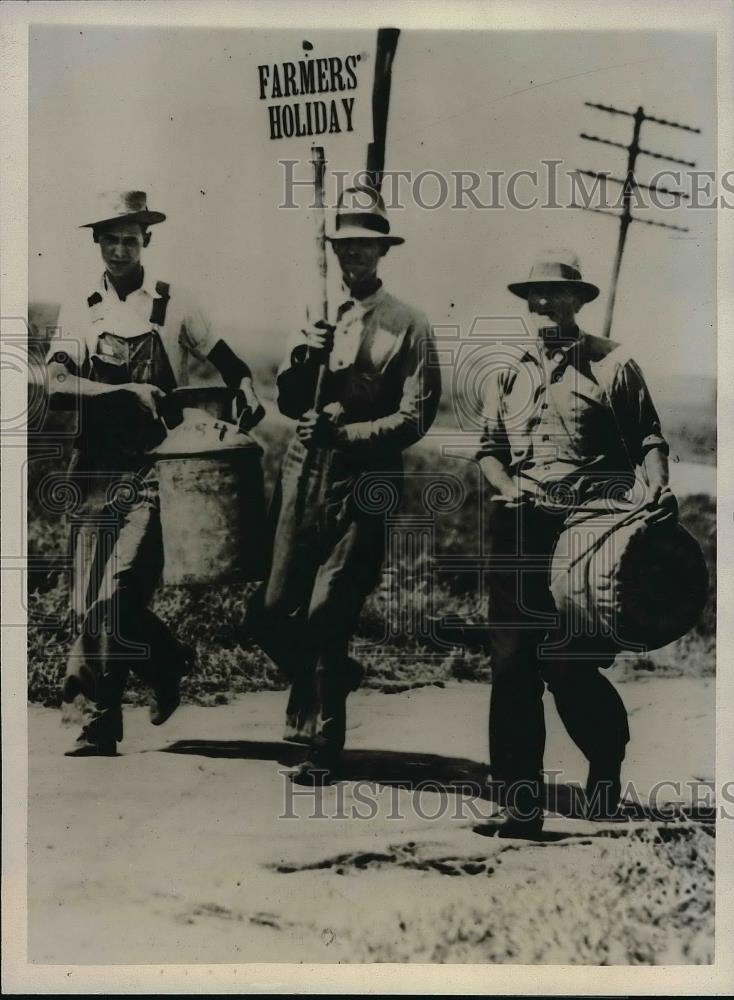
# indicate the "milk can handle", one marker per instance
pixel 239 402
pixel 166 408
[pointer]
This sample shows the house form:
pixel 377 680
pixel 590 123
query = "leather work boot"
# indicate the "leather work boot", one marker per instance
pixel 86 747
pixel 165 700
pixel 520 826
pixel 603 790
pixel 97 738
pixel 521 815
pixel 321 768
pixel 166 695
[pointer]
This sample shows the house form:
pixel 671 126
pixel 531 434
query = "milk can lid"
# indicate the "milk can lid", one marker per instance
pixel 199 433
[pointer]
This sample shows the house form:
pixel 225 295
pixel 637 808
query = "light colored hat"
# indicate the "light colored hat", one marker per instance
pixel 556 267
pixel 361 215
pixel 123 206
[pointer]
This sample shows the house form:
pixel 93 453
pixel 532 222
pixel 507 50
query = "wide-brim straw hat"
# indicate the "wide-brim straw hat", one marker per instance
pixel 555 267
pixel 123 206
pixel 361 215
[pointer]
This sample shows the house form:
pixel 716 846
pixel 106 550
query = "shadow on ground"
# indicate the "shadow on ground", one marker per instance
pixel 433 772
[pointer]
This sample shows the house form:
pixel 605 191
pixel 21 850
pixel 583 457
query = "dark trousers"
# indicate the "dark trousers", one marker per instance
pixel 118 559
pixel 326 559
pixel 523 624
pixel 311 607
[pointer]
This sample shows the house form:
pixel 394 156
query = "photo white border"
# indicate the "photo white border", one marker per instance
pixel 20 977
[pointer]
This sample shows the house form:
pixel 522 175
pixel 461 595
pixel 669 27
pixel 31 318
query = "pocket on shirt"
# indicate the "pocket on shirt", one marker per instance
pixel 382 346
pixel 588 392
pixel 589 419
pixel 109 361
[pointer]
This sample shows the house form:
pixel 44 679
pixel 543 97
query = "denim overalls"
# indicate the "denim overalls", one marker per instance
pixel 116 532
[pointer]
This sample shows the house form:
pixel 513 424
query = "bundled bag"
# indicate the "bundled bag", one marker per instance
pixel 628 577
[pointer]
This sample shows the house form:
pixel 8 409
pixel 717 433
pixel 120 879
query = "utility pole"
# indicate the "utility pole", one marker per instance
pixel 629 185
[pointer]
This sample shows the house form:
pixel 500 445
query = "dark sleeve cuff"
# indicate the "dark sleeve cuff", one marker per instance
pixel 301 354
pixel 63 358
pixel 654 441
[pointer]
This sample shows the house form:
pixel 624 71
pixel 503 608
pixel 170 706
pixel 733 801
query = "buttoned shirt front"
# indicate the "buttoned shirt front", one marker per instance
pixel 350 321
pixel 552 411
pixel 382 372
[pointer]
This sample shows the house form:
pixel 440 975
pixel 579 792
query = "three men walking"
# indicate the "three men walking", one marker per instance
pixel 567 420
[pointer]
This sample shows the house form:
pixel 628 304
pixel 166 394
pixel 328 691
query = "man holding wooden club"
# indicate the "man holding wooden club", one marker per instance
pixel 379 394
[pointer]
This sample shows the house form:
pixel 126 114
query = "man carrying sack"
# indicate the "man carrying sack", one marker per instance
pixel 120 346
pixel 567 420
pixel 380 394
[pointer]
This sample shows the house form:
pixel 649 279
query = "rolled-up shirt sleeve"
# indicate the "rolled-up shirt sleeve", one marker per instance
pixel 494 442
pixel 639 420
pixel 68 346
pixel 421 379
pixel 196 334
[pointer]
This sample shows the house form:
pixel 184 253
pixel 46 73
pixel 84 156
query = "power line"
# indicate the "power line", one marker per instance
pixel 630 185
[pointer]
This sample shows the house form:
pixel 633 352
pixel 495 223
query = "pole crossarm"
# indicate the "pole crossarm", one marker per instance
pixel 609 108
pixel 636 183
pixel 607 142
pixel 661 225
pixel 629 184
pixel 664 156
pixel 633 218
pixel 599 211
pixel 646 118
pixel 642 152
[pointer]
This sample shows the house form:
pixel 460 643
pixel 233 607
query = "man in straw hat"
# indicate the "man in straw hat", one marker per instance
pixel 567 418
pixel 120 346
pixel 380 395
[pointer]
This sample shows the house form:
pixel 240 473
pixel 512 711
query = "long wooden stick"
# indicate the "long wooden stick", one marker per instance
pixel 318 160
pixel 304 499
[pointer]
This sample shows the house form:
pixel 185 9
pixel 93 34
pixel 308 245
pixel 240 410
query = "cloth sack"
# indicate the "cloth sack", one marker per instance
pixel 628 577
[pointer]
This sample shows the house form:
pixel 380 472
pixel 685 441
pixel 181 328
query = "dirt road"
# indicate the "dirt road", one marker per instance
pixel 191 847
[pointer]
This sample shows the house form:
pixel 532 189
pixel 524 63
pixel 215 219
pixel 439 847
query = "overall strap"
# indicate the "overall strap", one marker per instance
pixel 160 305
pixel 93 302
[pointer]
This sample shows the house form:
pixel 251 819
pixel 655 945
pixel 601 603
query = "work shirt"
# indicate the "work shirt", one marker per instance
pixel 185 333
pixel 328 535
pixel 552 412
pixel 156 335
pixel 382 376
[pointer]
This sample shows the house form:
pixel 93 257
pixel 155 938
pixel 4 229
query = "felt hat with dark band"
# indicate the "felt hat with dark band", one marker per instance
pixel 361 215
pixel 123 206
pixel 552 268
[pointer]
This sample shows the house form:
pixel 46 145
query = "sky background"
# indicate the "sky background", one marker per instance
pixel 177 112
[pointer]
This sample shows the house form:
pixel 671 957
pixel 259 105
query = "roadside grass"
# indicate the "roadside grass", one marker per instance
pixel 642 899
